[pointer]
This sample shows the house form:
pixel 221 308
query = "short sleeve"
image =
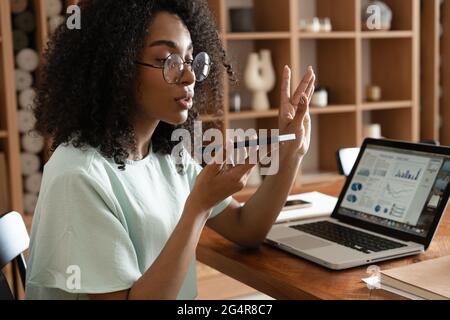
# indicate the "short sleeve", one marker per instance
pixel 80 245
pixel 193 170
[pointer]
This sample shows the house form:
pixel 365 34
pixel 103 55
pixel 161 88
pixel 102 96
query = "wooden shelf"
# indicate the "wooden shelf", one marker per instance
pixel 257 35
pixel 3 134
pixel 327 35
pixel 386 34
pixel 273 113
pixel 386 105
pixel 333 109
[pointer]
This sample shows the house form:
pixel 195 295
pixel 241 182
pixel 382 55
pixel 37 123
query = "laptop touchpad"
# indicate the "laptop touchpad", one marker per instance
pixel 305 242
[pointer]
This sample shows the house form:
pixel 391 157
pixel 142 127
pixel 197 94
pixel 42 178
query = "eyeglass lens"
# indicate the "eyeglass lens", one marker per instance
pixel 174 67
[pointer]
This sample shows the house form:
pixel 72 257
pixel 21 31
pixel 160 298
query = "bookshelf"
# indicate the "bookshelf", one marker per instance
pixel 435 80
pixel 9 133
pixel 346 60
pixel 445 74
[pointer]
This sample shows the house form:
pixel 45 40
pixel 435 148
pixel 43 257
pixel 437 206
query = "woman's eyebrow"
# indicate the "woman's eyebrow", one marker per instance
pixel 168 43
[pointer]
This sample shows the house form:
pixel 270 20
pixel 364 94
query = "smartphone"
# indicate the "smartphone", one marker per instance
pixel 296 204
pixel 264 141
pixel 256 142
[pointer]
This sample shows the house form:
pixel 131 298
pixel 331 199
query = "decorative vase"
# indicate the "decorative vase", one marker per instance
pixel 260 78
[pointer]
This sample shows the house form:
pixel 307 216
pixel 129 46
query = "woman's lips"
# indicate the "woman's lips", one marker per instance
pixel 185 103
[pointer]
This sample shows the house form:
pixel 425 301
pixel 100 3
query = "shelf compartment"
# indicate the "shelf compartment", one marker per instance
pixel 238 52
pixel 340 12
pixel 387 63
pixel 402 11
pixel 3 134
pixel 334 61
pixel 395 124
pixel 263 15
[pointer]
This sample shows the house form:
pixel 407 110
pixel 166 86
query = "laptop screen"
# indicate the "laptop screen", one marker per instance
pixel 397 189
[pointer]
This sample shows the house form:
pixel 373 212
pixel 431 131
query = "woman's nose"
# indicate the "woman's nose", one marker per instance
pixel 188 76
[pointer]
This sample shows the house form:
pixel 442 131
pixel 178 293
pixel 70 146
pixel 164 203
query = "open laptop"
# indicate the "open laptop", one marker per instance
pixel 390 207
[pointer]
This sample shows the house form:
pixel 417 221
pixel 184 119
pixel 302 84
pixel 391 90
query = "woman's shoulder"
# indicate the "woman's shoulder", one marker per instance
pixel 68 159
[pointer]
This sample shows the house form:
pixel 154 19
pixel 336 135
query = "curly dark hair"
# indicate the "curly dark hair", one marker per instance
pixel 85 93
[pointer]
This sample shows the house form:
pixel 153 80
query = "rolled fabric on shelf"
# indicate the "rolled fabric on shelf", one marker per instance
pixel 20 40
pixel 27 60
pixel 24 80
pixel 25 21
pixel 30 163
pixel 33 182
pixel 54 8
pixel 54 23
pixel 18 6
pixel 26 98
pixel 29 202
pixel 32 143
pixel 26 120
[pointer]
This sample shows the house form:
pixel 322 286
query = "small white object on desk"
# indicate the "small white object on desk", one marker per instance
pixel 322 206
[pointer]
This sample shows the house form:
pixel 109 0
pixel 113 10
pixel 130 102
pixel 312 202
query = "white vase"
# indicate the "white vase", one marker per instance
pixel 260 78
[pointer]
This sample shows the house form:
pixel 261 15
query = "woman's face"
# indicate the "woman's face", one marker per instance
pixel 157 99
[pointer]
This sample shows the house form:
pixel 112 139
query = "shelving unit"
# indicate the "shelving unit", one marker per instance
pixel 9 133
pixel 445 74
pixel 346 60
pixel 435 81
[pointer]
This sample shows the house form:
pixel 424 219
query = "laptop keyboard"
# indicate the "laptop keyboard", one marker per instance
pixel 348 237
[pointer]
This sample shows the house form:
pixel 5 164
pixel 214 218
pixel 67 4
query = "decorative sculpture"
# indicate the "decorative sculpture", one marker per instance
pixel 260 78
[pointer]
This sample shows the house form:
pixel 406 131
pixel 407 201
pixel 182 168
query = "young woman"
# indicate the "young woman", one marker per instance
pixel 116 217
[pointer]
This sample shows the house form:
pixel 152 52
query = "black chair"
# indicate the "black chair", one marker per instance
pixel 14 240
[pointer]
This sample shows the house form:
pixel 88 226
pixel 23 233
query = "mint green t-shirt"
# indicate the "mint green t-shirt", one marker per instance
pixel 97 229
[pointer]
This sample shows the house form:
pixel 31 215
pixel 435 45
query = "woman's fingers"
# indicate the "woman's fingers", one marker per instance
pixel 286 85
pixel 302 110
pixel 310 89
pixel 307 79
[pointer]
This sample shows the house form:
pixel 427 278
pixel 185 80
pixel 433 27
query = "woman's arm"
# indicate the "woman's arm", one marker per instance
pixel 165 276
pixel 249 225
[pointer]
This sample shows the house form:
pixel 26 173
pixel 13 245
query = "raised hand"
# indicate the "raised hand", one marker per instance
pixel 294 114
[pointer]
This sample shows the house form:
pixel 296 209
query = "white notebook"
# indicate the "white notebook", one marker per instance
pixel 322 206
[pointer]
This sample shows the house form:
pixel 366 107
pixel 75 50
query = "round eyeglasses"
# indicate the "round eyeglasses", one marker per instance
pixel 173 67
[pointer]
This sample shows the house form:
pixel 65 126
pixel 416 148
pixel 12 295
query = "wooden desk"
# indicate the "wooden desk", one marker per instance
pixel 284 276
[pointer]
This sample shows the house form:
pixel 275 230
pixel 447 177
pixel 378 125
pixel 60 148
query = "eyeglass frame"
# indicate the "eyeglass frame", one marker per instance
pixel 184 63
